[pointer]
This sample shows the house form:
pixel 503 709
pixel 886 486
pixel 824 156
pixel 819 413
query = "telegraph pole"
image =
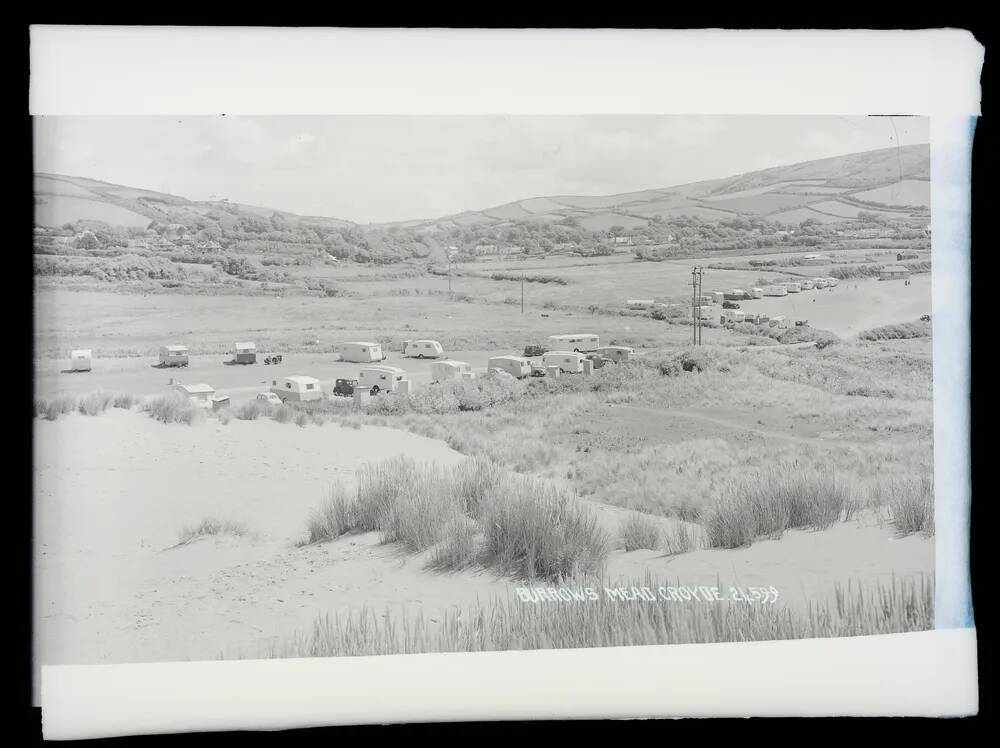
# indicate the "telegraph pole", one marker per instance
pixel 696 274
pixel 522 293
pixel 700 273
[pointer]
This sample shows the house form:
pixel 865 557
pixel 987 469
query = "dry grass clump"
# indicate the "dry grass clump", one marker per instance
pixel 123 400
pixel 909 503
pixel 173 408
pixel 333 518
pixel 211 526
pixel 57 406
pixel 866 609
pixel 766 504
pixel 683 538
pixel 536 529
pixel 902 331
pixel 468 513
pixel 641 532
pixel 251 411
pixel 95 403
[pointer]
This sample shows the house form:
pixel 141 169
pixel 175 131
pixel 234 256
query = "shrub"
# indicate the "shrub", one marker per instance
pixel 679 539
pixel 910 503
pixel 531 351
pixel 460 547
pixel 95 403
pixel 904 331
pixel 334 517
pixel 56 407
pixel 208 527
pixel 251 411
pixel 123 400
pixel 173 408
pixel 768 503
pixel 538 530
pixel 640 531
pixel 283 413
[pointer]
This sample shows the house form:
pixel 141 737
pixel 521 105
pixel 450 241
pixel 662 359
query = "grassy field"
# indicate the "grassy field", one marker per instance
pixel 796 466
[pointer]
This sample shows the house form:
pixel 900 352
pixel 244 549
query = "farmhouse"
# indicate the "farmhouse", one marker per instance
pixel 894 272
pixel 361 352
pixel 80 360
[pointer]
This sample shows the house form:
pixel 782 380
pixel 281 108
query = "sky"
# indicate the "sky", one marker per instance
pixel 371 169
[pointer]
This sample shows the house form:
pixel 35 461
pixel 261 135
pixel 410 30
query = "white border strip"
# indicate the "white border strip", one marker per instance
pixel 951 292
pixel 919 674
pixel 201 70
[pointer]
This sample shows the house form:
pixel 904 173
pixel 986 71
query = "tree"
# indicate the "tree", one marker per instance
pixel 87 241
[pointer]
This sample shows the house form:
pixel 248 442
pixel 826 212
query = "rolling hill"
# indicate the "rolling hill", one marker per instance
pixel 891 181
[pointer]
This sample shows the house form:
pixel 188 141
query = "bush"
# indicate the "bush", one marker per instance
pixel 252 410
pixel 532 351
pixel 56 407
pixel 95 403
pixel 768 503
pixel 123 400
pixel 460 548
pixel 639 531
pixel 209 527
pixel 910 503
pixel 538 530
pixel 334 517
pixel 173 408
pixel 904 331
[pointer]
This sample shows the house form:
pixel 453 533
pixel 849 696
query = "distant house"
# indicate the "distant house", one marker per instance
pixel 894 272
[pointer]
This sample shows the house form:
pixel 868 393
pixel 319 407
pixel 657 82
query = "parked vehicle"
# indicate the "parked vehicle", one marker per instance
pixel 802 323
pixel 730 305
pixel 616 353
pixel 598 359
pixel 344 387
pixel 268 397
pixel 577 342
pixel 361 353
pixel 80 360
pixel 536 371
pixel 378 379
pixel 173 355
pixel 806 285
pixel 245 353
pixel 569 362
pixel 422 349
pixel 445 370
pixel 516 366
pixel 298 388
pixel 925 318
pixel 270 360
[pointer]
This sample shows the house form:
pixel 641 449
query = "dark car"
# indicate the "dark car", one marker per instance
pixel 345 387
pixel 730 305
pixel 598 359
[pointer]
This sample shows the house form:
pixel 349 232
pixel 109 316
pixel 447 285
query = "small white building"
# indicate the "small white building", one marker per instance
pixel 756 293
pixel 516 366
pixel 361 353
pixel 442 371
pixel 80 360
pixel 199 394
pixel 778 321
pixel 378 379
pixel 245 353
pixel 297 388
pixel 894 272
pixel 775 291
